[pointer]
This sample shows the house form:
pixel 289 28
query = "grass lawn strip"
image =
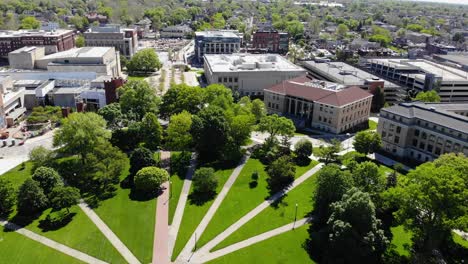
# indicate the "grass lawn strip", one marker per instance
pixel 17 249
pixel 131 220
pixel 193 214
pixel 277 214
pixel 177 182
pixel 80 234
pixel 241 198
pixel 284 248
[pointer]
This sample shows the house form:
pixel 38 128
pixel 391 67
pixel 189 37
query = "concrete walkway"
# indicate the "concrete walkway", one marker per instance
pixel 246 218
pixel 113 239
pixel 161 229
pixel 179 212
pixel 52 244
pixel 251 241
pixel 187 250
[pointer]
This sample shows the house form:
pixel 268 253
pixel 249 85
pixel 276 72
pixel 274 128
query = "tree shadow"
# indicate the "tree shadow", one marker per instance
pixel 253 184
pixel 140 196
pixel 302 162
pixel 279 202
pixel 179 164
pixel 21 220
pixel 52 223
pixel 198 198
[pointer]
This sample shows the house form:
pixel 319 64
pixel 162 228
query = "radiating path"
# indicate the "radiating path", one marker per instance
pixel 52 244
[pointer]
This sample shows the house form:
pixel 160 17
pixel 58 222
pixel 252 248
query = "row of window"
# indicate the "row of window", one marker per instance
pixel 227 79
pixel 273 106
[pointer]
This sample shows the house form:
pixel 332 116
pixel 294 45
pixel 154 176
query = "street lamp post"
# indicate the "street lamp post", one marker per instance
pixel 295 217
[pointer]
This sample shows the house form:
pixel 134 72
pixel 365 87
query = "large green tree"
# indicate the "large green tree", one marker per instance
pixel 281 174
pixel 7 197
pixel 205 181
pixel 64 197
pixel 137 98
pixel 140 158
pixel 145 60
pixel 178 131
pixel 431 201
pixel 367 178
pixel 112 113
pixel 80 133
pixel 366 142
pixel 428 97
pixel 332 183
pixel 30 22
pixel 31 198
pixel 47 178
pixel 355 234
pixel 180 98
pixel 276 125
pixel 151 130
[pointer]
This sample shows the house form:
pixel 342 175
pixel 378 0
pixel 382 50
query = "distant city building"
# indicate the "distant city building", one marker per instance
pixel 422 75
pixel 249 74
pixel 321 105
pixel 216 42
pixel 104 61
pixel 50 26
pixel 95 17
pixel 180 31
pixel 52 41
pixel 417 37
pixel 11 102
pixel 422 132
pixel 436 48
pixel 143 27
pixel 342 73
pixel 457 59
pixel 272 41
pixel 124 40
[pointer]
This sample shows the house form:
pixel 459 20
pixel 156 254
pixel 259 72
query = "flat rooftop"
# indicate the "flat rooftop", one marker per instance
pixel 343 73
pixel 243 62
pixel 442 114
pixel 26 49
pixel 446 72
pixel 85 52
pixel 21 33
pixel 459 58
pixel 217 34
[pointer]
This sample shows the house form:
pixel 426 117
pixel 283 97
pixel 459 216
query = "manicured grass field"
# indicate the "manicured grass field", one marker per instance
pixel 284 248
pixel 194 213
pixel 459 240
pixel 177 182
pixel 372 125
pixel 18 249
pixel 80 234
pixel 277 214
pixel 137 78
pixel 242 198
pixel 400 239
pixel 131 220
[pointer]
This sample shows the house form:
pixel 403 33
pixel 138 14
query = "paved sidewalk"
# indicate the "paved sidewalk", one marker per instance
pixel 246 218
pixel 187 250
pixel 179 213
pixel 251 241
pixel 113 239
pixel 52 244
pixel 161 229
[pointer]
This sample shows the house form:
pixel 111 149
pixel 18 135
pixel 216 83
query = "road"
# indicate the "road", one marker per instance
pixel 12 156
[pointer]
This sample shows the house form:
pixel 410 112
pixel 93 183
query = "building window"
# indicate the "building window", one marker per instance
pixel 397 140
pixel 437 151
pixel 422 145
pixel 429 148
pixel 235 79
pixel 424 135
pixel 220 79
pixel 416 132
pixel 398 129
pixel 384 134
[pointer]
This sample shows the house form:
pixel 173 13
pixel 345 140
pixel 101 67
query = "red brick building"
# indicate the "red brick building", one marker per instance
pixel 53 41
pixel 271 40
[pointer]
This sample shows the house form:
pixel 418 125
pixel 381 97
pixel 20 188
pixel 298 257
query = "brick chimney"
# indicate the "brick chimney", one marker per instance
pixel 111 89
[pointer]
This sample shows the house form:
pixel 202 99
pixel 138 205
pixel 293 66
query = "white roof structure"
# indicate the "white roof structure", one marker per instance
pixel 447 73
pixel 85 52
pixel 249 62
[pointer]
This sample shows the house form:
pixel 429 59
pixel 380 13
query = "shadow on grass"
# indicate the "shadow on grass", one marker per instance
pixel 302 162
pixel 199 199
pixel 180 163
pixel 22 220
pixel 140 196
pixel 52 223
pixel 253 184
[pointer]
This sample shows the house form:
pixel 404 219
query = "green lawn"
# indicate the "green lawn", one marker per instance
pixel 131 220
pixel 137 78
pixel 276 215
pixel 459 240
pixel 18 249
pixel 179 165
pixel 372 125
pixel 400 239
pixel 242 198
pixel 194 213
pixel 80 233
pixel 284 248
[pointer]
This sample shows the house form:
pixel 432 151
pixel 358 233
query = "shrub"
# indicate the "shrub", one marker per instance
pixel 149 179
pixel 204 181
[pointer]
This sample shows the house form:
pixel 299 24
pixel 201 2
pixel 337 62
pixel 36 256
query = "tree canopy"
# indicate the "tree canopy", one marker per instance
pixel 137 98
pixel 366 142
pixel 145 60
pixel 149 179
pixel 429 97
